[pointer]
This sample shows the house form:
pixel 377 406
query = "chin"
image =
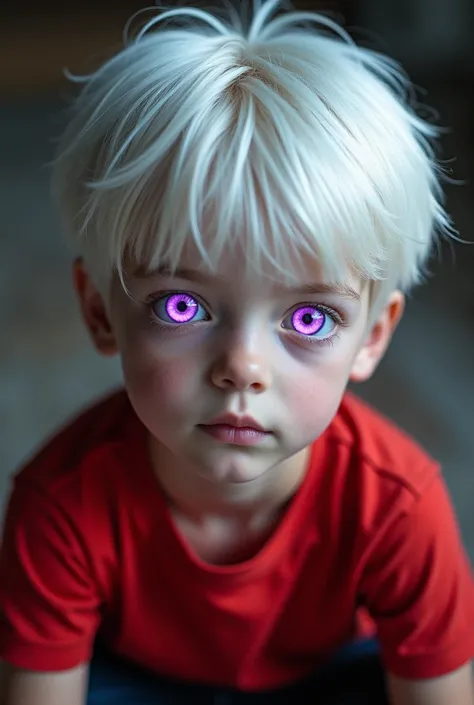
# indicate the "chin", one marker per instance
pixel 233 472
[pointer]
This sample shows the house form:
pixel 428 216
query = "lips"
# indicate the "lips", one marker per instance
pixel 237 422
pixel 235 430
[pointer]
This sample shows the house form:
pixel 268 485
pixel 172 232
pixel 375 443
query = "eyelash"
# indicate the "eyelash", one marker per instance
pixel 328 310
pixel 153 318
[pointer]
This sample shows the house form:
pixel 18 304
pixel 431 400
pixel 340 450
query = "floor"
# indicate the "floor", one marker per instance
pixel 48 369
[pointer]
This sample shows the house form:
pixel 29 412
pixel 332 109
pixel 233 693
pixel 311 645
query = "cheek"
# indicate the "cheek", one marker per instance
pixel 154 379
pixel 313 400
pixel 313 392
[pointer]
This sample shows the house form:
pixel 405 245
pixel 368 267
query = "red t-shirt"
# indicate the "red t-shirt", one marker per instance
pixel 89 547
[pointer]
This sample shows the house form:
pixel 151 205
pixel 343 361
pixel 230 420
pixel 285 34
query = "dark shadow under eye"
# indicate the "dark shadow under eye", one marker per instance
pixel 179 308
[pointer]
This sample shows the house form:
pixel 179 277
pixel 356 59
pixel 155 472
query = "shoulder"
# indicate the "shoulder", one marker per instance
pixel 59 559
pixel 377 472
pixel 82 455
pixel 65 502
pixel 379 449
pixel 391 522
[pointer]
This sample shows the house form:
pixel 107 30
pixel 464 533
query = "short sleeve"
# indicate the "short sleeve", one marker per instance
pixel 418 587
pixel 49 605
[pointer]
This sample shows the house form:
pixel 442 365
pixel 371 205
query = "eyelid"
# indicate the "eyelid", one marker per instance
pixel 170 325
pixel 170 292
pixel 338 316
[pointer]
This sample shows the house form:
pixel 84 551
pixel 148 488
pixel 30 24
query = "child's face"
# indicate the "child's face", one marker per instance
pixel 194 347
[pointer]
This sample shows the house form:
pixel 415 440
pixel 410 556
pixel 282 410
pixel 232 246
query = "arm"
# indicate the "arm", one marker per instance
pixel 418 587
pixel 49 597
pixel 456 687
pixel 20 687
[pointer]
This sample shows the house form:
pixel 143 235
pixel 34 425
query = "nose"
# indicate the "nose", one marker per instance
pixel 241 365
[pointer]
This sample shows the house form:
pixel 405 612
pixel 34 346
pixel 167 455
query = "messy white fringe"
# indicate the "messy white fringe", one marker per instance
pixel 284 137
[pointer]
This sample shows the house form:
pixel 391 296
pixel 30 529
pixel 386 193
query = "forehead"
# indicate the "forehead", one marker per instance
pixel 234 270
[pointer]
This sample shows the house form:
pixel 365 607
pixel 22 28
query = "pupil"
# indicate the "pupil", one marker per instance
pixel 182 306
pixel 307 319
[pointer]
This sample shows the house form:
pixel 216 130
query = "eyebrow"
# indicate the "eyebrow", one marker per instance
pixel 190 274
pixel 193 275
pixel 338 289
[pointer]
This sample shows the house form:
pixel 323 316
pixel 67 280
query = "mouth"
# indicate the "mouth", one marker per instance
pixel 235 430
pixel 236 422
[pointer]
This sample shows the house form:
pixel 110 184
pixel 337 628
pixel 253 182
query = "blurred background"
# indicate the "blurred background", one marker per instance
pixel 47 367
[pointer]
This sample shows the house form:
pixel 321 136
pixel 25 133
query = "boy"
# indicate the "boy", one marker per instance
pixel 249 207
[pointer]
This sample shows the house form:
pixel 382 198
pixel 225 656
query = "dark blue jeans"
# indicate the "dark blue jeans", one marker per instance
pixel 353 677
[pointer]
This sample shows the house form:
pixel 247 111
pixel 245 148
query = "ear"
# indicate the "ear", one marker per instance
pixel 378 339
pixel 93 310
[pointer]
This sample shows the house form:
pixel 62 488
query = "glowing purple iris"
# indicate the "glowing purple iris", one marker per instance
pixel 308 320
pixel 181 308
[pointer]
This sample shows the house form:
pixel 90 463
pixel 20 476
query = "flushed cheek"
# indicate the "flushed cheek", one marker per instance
pixel 312 398
pixel 159 383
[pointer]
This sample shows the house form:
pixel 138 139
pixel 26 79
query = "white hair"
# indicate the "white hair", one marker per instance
pixel 285 137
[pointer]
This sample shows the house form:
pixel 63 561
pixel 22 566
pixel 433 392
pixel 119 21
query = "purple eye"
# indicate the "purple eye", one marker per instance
pixel 311 322
pixel 308 320
pixel 179 308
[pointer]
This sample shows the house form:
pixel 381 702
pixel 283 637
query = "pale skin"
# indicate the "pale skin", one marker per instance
pixel 226 501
